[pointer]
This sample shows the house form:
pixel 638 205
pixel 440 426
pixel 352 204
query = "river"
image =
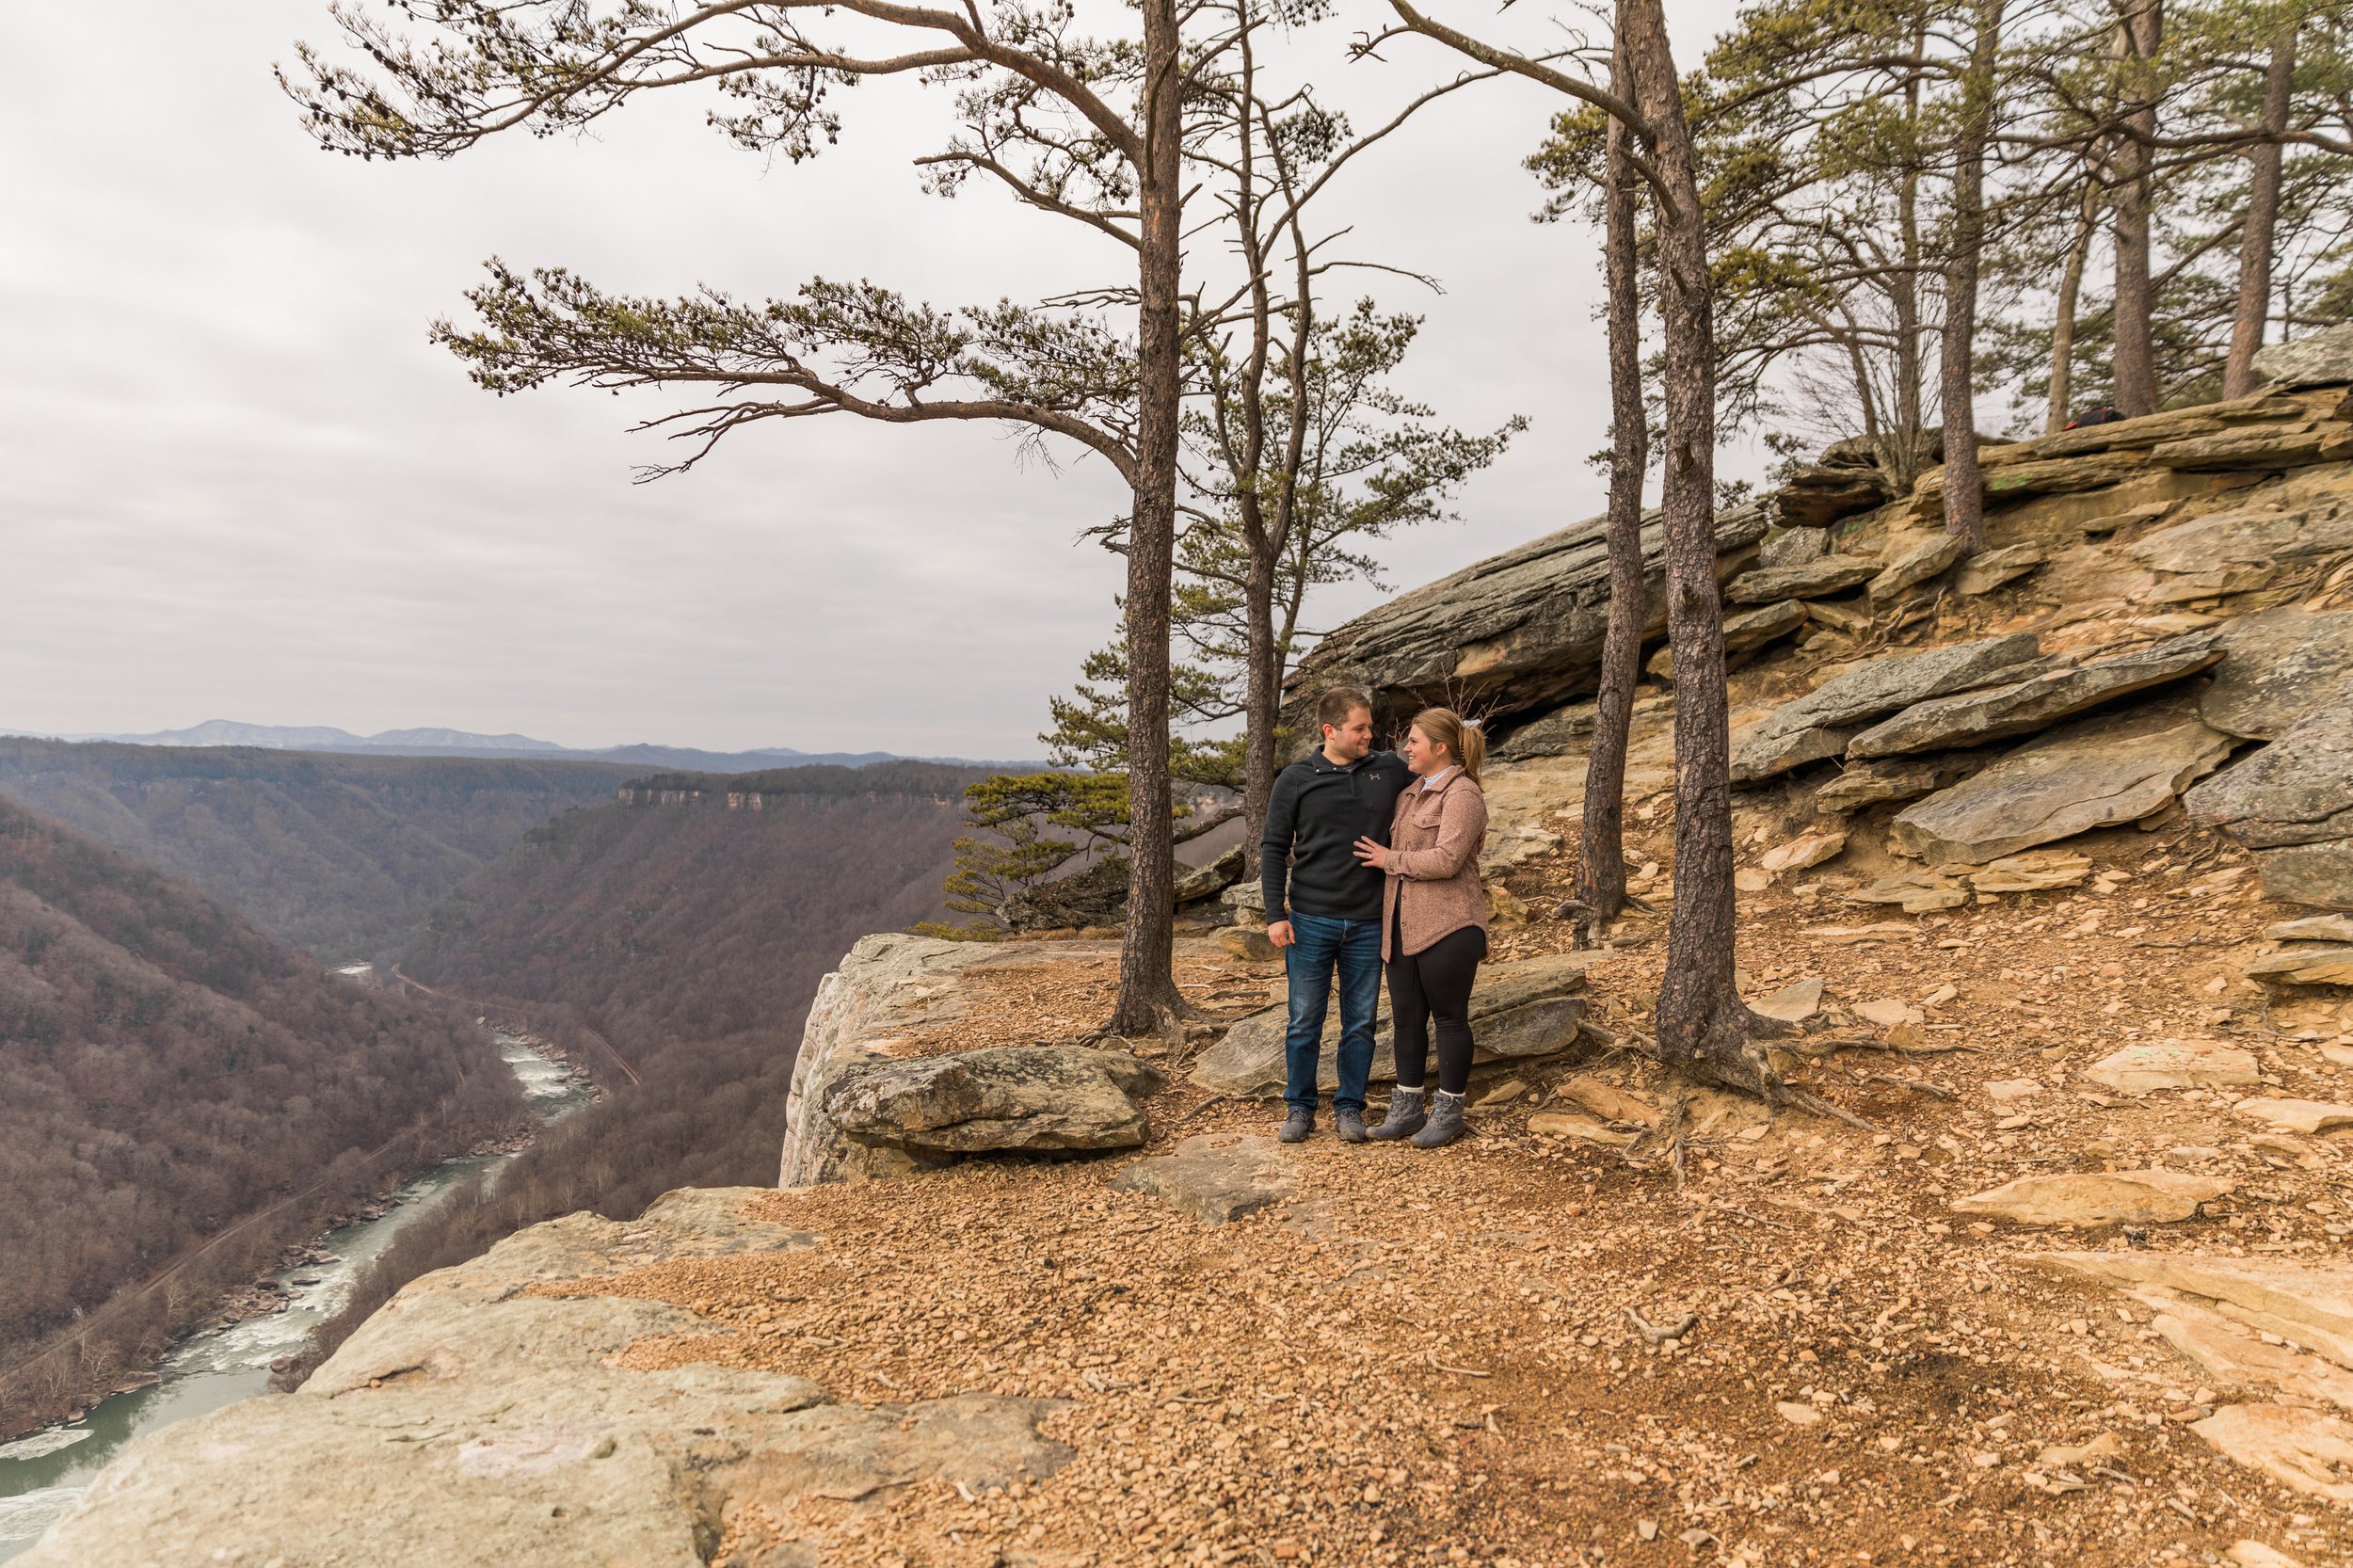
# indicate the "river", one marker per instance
pixel 43 1474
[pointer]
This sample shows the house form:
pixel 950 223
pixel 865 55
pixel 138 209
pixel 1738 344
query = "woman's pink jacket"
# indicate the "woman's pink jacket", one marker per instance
pixel 1432 864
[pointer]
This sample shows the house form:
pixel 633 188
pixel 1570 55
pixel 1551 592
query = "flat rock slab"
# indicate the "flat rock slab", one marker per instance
pixel 2303 964
pixel 2307 1117
pixel 2312 1304
pixel 1761 756
pixel 1516 633
pixel 1217 1177
pixel 1819 723
pixel 1006 1098
pixel 2298 790
pixel 1882 686
pixel 1577 1128
pixel 2104 1199
pixel 2323 358
pixel 1794 1002
pixel 1931 558
pixel 471 1423
pixel 1610 1103
pixel 2313 928
pixel 1528 1007
pixel 1982 574
pixel 2277 669
pixel 2239 551
pixel 1804 851
pixel 1907 779
pixel 1825 574
pixel 2000 713
pixel 2320 874
pixel 2304 1450
pixel 2101 772
pixel 2174 1065
pixel 1915 891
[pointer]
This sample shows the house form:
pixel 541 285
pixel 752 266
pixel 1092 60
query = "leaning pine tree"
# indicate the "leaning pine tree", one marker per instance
pixel 1088 129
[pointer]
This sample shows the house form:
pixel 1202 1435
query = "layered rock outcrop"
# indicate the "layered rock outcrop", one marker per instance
pixel 481 1418
pixel 1514 634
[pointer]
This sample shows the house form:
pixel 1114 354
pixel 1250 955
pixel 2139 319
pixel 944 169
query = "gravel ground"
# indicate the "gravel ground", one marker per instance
pixel 1434 1357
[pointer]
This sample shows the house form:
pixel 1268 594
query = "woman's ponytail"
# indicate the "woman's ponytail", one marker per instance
pixel 1463 740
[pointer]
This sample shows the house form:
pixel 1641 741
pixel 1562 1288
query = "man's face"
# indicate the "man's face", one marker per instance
pixel 1347 740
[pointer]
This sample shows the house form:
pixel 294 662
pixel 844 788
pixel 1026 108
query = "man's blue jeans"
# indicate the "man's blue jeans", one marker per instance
pixel 1353 949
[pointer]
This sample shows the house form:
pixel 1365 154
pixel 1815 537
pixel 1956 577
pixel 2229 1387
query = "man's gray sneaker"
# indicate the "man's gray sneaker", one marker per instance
pixel 1406 1116
pixel 1297 1126
pixel 1445 1124
pixel 1350 1125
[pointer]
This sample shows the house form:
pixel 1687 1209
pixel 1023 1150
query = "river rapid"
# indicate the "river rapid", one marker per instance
pixel 41 1475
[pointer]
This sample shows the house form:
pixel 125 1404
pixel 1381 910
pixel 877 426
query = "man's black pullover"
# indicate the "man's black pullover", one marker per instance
pixel 1319 810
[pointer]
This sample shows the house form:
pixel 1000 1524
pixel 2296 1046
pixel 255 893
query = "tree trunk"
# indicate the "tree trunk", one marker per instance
pixel 1149 998
pixel 1262 671
pixel 1900 454
pixel 2063 323
pixel 1600 848
pixel 1262 699
pixel 1702 1022
pixel 1964 493
pixel 2140 32
pixel 2263 219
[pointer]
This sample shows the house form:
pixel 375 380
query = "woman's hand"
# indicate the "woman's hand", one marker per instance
pixel 1373 853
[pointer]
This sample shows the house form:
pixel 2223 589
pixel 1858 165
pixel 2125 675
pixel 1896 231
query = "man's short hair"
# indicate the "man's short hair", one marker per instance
pixel 1334 706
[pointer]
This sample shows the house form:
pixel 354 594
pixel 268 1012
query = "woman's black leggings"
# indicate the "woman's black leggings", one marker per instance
pixel 1434 983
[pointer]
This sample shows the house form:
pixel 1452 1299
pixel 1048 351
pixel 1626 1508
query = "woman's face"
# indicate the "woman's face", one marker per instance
pixel 1424 756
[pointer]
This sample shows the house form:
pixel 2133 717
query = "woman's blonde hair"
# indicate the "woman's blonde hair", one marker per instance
pixel 1463 740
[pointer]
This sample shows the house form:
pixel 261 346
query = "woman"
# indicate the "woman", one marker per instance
pixel 1433 921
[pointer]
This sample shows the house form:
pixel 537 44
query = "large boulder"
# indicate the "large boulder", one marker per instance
pixel 2322 359
pixel 1195 883
pixel 2277 668
pixel 1998 712
pixel 2100 772
pixel 1516 633
pixel 888 987
pixel 1528 1007
pixel 1872 691
pixel 1038 1097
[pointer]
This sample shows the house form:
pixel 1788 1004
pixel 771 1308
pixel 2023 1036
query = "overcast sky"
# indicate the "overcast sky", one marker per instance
pixel 237 481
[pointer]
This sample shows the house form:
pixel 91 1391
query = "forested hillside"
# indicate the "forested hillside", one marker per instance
pixel 689 936
pixel 339 854
pixel 168 1073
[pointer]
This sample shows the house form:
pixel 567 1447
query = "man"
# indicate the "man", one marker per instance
pixel 1323 905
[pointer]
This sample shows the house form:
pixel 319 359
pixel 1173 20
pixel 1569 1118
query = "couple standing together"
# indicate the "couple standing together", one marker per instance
pixel 1370 860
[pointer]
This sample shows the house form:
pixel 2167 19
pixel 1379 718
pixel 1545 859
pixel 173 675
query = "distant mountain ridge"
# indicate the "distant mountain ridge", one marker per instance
pixel 435 742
